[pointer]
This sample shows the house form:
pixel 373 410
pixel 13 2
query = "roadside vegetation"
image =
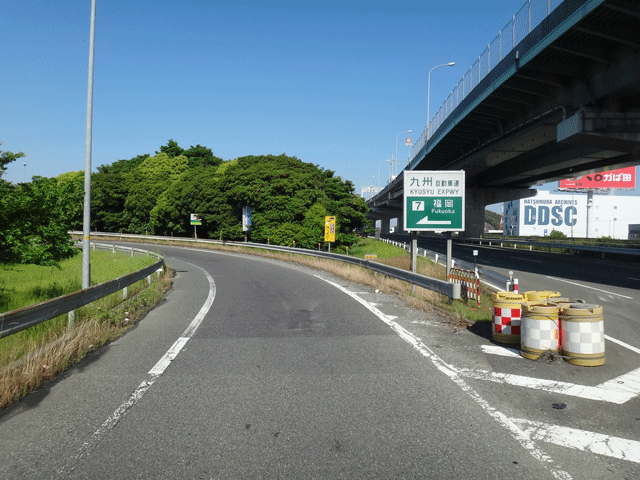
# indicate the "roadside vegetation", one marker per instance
pixel 39 353
pixel 22 285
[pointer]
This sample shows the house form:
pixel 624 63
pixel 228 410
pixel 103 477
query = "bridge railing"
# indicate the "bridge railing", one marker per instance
pixel 521 24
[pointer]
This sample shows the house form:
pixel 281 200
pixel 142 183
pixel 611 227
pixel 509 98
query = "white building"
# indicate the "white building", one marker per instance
pixel 611 215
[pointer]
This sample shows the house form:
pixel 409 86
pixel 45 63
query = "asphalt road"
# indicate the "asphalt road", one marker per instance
pixel 258 369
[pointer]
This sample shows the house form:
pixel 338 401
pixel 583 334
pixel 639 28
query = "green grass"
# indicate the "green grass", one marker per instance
pixel 43 351
pixel 23 285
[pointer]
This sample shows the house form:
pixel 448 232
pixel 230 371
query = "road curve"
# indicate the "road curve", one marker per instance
pixel 291 373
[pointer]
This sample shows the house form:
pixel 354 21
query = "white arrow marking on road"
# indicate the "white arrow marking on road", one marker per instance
pixel 615 447
pixel 426 221
pixel 502 351
pixel 619 390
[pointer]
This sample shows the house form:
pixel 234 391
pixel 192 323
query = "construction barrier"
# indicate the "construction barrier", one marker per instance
pixel 582 334
pixel 540 330
pixel 469 283
pixel 507 312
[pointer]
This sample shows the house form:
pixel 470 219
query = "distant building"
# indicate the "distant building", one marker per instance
pixel 611 216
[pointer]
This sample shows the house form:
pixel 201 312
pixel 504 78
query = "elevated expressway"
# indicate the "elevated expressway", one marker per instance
pixel 564 101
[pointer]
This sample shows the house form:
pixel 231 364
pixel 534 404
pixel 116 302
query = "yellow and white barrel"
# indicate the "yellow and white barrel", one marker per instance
pixel 582 334
pixel 507 311
pixel 540 296
pixel 540 330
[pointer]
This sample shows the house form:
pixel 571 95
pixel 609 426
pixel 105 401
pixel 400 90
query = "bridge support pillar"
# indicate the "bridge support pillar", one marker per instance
pixel 400 225
pixel 476 199
pixel 385 225
pixel 475 203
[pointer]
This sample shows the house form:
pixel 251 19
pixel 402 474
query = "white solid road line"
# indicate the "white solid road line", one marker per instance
pixel 154 374
pixel 591 288
pixel 615 447
pixel 516 432
pixel 622 344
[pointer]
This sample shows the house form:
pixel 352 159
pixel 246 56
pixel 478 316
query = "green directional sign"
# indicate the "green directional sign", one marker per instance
pixel 434 200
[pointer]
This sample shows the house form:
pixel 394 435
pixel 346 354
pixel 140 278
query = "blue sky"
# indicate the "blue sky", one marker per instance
pixel 331 83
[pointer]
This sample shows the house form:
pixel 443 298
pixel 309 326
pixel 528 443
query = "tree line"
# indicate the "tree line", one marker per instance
pixel 157 194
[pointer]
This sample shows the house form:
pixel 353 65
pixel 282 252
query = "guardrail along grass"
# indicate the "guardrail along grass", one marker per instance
pixel 39 353
pixel 23 285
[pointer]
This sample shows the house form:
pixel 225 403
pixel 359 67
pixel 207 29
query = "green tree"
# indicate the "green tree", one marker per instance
pixel 492 218
pixel 171 149
pixel 6 158
pixel 71 186
pixel 38 218
pixel 109 189
pixel 556 234
pixel 146 184
pixel 282 191
pixel 200 156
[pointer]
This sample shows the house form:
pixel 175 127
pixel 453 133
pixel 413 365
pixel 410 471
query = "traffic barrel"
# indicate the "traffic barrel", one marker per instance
pixel 540 296
pixel 540 330
pixel 507 312
pixel 582 334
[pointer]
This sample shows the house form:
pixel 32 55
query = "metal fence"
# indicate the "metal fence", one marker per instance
pixel 23 318
pixel 521 24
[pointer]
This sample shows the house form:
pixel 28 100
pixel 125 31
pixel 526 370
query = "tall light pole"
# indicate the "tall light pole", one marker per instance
pixel 406 131
pixel 450 64
pixel 86 219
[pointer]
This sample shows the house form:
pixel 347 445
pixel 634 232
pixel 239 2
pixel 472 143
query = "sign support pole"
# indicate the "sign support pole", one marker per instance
pixel 414 251
pixel 449 254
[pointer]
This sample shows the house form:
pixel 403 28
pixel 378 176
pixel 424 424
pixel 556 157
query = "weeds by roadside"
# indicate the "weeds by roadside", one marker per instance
pixel 39 356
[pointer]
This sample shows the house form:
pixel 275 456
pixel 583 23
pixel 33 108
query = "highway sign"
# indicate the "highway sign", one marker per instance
pixel 434 200
pixel 195 219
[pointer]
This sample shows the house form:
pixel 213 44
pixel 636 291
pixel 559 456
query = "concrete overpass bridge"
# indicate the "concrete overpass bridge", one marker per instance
pixel 556 94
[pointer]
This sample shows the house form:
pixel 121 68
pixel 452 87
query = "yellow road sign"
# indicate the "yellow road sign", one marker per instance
pixel 329 229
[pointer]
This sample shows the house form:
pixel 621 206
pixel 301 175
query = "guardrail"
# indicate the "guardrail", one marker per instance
pixel 440 286
pixel 23 318
pixel 490 278
pixel 549 245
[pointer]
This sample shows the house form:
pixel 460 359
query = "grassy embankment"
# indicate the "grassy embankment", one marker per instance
pixel 34 355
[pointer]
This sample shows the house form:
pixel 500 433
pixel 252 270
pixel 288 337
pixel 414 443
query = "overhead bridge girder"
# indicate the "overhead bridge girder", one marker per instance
pixel 618 132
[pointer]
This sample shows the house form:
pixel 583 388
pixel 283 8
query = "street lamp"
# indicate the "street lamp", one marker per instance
pixel 450 64
pixel 406 131
pixel 86 217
